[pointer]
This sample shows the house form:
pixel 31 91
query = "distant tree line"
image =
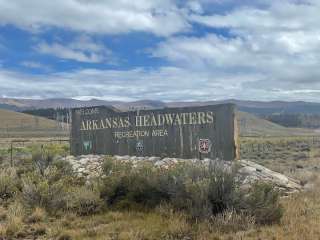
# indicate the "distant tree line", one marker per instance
pixel 295 120
pixel 58 114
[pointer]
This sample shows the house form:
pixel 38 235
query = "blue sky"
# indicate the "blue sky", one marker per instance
pixel 169 50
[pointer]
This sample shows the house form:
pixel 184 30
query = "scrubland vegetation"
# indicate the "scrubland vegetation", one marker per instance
pixel 41 198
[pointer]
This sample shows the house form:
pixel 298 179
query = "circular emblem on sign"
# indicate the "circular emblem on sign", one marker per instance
pixel 139 146
pixel 204 145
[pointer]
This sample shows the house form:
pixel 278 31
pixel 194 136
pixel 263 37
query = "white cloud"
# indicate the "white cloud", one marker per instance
pixel 161 17
pixel 279 44
pixel 167 84
pixel 82 49
pixel 277 15
pixel 36 65
pixel 195 6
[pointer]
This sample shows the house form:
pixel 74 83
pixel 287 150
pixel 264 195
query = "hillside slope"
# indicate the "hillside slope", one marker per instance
pixel 251 125
pixel 14 123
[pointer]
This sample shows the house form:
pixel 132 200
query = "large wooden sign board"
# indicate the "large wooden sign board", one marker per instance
pixel 188 132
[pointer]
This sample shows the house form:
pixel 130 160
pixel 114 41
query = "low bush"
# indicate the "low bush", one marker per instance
pixel 41 160
pixel 15 215
pixel 64 168
pixel 209 190
pixel 56 189
pixel 135 188
pixel 24 166
pixel 263 203
pixel 200 190
pixel 9 183
pixel 84 201
pixel 39 191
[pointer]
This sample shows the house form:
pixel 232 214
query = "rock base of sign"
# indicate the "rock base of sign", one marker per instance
pixel 250 172
pixel 90 166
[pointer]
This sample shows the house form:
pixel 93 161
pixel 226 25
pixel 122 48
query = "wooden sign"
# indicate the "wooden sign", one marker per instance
pixel 170 132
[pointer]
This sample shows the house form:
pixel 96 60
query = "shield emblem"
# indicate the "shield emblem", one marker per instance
pixel 204 145
pixel 87 146
pixel 139 146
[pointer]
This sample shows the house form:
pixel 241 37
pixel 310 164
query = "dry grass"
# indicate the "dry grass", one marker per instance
pixel 14 120
pixel 297 157
pixel 15 124
pixel 301 221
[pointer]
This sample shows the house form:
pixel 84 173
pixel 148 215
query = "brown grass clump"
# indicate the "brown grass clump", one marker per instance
pixel 38 215
pixel 14 224
pixel 231 221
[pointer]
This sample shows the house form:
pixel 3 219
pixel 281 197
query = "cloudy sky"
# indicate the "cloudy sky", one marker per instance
pixel 166 50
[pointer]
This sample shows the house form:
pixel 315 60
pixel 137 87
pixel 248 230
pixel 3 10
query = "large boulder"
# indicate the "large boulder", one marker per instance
pixel 250 172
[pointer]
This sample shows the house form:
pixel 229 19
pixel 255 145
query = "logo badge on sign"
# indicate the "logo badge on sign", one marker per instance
pixel 204 145
pixel 139 146
pixel 87 145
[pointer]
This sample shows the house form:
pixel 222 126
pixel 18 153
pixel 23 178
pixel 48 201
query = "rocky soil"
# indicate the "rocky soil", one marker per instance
pixel 90 166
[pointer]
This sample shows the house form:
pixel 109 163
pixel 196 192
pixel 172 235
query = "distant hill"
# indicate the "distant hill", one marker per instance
pixel 9 107
pixel 28 104
pixel 251 125
pixel 255 107
pixel 262 108
pixel 15 124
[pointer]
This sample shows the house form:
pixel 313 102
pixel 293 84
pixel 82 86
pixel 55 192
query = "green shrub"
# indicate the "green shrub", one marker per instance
pixel 197 189
pixel 263 203
pixel 108 165
pixel 43 157
pixel 196 200
pixel 39 191
pixel 63 166
pixel 9 183
pixel 24 166
pixel 112 167
pixel 41 160
pixel 84 201
pixel 52 149
pixel 135 187
pixel 222 189
pixel 57 149
pixel 60 169
pixel 209 190
pixel 200 190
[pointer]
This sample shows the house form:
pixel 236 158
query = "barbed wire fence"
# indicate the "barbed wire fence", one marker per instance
pixel 19 144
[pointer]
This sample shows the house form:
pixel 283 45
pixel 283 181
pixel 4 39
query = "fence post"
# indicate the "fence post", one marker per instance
pixel 11 154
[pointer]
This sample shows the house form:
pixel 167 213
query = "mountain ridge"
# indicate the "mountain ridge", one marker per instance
pixel 255 107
